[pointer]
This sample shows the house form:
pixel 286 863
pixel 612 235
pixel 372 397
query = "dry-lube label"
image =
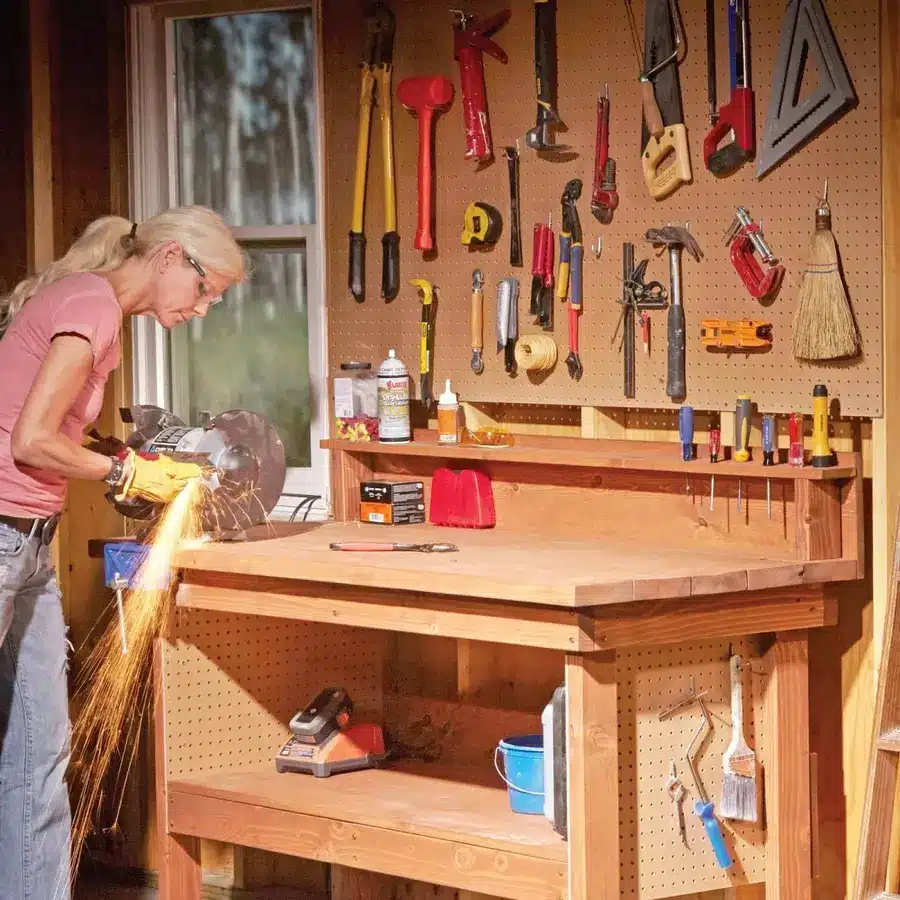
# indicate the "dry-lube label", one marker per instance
pixel 393 407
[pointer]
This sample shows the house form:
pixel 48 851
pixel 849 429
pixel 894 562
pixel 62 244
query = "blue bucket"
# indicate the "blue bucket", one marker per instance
pixel 523 763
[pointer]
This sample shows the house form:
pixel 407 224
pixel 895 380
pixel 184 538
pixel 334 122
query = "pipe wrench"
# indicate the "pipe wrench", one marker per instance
pixel 738 115
pixel 604 197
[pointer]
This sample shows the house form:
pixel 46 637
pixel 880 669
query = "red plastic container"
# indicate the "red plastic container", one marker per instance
pixel 461 499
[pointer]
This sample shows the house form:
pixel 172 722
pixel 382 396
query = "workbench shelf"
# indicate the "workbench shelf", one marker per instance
pixel 639 456
pixel 389 820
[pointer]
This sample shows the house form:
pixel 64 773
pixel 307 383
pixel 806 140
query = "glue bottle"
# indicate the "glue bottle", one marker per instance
pixel 393 401
pixel 448 416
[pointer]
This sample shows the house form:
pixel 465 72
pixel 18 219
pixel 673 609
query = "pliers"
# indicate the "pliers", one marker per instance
pixel 376 68
pixel 571 263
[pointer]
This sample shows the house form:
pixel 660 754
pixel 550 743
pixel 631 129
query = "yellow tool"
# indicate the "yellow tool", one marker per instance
pixel 376 68
pixel 483 225
pixel 741 334
pixel 426 336
pixel 742 428
pixel 822 454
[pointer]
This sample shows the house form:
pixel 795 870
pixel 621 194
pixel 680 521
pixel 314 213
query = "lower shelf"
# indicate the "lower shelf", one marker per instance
pixel 428 823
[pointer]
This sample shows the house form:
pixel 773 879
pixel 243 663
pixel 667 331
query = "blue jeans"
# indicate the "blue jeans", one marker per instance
pixel 35 820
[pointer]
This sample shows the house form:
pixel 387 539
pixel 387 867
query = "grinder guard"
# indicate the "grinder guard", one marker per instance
pixel 241 447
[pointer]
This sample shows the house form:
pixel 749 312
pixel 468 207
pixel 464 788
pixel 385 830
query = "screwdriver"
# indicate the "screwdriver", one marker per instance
pixel 795 454
pixel 742 436
pixel 686 435
pixel 715 447
pixel 768 445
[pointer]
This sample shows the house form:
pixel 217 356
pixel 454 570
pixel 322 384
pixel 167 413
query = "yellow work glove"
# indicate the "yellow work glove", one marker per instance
pixel 157 478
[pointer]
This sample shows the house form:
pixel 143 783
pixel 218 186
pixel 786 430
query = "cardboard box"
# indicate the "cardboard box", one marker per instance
pixel 392 502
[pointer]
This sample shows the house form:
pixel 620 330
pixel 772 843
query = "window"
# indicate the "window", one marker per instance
pixel 225 113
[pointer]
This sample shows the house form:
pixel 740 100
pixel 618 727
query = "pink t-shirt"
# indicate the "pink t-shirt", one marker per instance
pixel 83 304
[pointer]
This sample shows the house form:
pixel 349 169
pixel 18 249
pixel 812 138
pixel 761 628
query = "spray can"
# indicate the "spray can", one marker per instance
pixel 393 401
pixel 822 456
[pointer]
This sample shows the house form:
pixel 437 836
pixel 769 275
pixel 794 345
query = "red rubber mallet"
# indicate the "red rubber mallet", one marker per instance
pixel 424 95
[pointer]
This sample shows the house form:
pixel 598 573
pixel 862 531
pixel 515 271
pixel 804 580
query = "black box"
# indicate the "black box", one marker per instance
pixel 392 502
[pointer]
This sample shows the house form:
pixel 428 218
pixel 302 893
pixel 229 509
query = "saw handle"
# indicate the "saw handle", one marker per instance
pixel 738 115
pixel 652 115
pixel 676 387
pixel 479 145
pixel 663 182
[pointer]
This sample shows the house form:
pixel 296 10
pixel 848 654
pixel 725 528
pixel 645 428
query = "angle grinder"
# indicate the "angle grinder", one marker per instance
pixel 240 452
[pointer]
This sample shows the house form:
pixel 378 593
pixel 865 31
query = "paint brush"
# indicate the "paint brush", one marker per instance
pixel 739 778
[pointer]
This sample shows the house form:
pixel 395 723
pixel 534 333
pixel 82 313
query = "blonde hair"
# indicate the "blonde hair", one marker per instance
pixel 108 241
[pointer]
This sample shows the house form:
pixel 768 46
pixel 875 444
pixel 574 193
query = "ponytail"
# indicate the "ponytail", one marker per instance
pixel 108 241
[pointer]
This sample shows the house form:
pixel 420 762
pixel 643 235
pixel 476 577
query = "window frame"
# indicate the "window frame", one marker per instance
pixel 154 187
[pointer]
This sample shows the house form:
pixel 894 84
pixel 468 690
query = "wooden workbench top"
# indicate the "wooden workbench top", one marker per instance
pixel 501 565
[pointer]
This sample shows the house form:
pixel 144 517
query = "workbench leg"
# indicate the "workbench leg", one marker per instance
pixel 593 776
pixel 787 780
pixel 179 867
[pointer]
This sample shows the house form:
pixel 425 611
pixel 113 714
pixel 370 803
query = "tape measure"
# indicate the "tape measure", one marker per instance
pixel 483 224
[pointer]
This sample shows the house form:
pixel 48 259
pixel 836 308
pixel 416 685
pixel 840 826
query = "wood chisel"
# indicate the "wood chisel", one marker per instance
pixel 477 322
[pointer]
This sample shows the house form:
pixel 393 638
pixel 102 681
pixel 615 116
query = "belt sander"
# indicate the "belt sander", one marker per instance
pixel 240 451
pixel 323 742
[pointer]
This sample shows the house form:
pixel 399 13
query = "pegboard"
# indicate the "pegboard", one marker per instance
pixel 233 682
pixel 595 48
pixel 655 862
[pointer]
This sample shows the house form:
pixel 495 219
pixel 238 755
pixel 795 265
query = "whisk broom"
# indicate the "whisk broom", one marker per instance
pixel 823 324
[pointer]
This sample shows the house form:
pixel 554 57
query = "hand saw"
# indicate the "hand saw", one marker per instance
pixel 665 157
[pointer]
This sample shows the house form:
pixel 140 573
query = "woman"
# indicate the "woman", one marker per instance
pixel 60 340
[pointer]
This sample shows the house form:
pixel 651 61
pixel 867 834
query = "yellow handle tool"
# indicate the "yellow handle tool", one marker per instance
pixel 742 414
pixel 426 336
pixel 822 454
pixel 663 182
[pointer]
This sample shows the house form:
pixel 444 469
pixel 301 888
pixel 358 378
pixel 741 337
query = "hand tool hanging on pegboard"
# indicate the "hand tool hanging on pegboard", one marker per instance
pixel 542 254
pixel 663 133
pixel 745 237
pixel 742 334
pixel 376 68
pixel 738 116
pixel 541 137
pixel 675 239
pixel 477 322
pixel 471 39
pixel 482 225
pixel 508 321
pixel 604 197
pixel 515 223
pixel 424 95
pixel 638 297
pixel 426 337
pixel 569 280
pixel 796 116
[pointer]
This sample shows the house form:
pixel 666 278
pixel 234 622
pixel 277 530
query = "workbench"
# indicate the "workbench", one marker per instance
pixel 608 571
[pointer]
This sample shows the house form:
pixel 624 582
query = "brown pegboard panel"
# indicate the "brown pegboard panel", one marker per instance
pixel 655 863
pixel 594 49
pixel 234 681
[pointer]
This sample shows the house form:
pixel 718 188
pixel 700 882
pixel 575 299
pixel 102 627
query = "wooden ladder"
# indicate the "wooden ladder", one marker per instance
pixel 878 814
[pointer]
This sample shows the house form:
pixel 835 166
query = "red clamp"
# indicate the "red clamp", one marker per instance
pixel 746 237
pixel 604 197
pixel 470 41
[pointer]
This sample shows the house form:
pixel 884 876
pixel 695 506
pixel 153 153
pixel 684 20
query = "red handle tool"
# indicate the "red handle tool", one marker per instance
pixel 470 41
pixel 746 239
pixel 604 197
pixel 424 95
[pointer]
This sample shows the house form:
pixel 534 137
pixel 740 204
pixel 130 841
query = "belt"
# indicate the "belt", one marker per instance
pixel 43 528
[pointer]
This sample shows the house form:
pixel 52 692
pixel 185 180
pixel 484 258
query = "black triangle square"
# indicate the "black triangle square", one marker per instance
pixel 806 37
